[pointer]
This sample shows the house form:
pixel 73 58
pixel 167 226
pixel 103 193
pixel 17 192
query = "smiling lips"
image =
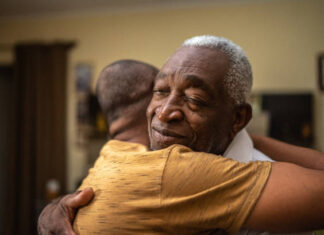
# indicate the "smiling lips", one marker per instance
pixel 167 136
pixel 166 132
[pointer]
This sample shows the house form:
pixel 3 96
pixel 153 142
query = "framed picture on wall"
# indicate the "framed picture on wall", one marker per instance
pixel 321 71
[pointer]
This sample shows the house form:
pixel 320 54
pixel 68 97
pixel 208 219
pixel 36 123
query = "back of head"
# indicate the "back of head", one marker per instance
pixel 124 89
pixel 238 80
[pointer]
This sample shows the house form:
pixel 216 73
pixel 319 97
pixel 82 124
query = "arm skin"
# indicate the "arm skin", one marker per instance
pixel 292 200
pixel 283 152
pixel 57 217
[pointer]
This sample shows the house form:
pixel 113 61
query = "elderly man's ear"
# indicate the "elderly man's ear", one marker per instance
pixel 242 116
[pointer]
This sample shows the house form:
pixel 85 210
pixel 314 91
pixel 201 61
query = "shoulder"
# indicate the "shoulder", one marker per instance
pixel 122 146
pixel 207 170
pixel 210 188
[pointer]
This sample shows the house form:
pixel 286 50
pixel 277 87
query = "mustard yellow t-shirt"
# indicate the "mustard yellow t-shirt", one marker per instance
pixel 169 191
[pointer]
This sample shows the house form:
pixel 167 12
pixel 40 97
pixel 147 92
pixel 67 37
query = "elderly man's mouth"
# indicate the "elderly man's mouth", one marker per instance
pixel 167 132
pixel 167 136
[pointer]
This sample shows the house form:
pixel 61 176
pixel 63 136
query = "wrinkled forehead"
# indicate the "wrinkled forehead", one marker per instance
pixel 206 61
pixel 210 66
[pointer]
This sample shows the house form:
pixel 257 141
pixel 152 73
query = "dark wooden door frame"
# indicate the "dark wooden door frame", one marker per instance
pixel 39 101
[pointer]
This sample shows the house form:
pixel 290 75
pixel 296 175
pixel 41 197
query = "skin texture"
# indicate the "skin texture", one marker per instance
pixel 190 105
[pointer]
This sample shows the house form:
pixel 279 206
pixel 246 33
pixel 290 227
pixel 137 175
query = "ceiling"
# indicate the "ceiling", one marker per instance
pixel 28 7
pixel 9 8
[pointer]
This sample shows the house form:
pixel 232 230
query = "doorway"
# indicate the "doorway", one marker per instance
pixel 6 90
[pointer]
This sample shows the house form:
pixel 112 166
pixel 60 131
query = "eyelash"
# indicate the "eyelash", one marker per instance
pixel 160 91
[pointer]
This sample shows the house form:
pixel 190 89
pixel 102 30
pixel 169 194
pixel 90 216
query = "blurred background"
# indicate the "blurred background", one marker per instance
pixel 51 53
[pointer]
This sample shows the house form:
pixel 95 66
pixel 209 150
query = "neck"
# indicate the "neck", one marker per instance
pixel 135 135
pixel 130 130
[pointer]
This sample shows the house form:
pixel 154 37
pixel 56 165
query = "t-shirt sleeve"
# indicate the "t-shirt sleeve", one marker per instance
pixel 205 192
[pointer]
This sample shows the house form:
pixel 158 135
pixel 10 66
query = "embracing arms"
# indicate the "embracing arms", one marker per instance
pixel 283 152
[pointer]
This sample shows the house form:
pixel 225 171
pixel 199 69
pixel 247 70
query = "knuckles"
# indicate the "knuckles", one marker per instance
pixel 52 219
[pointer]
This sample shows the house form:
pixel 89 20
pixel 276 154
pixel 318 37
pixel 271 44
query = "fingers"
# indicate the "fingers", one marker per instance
pixel 80 198
pixel 44 223
pixel 68 229
pixel 57 217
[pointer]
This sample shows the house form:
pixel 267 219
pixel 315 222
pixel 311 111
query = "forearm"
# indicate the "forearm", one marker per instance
pixel 280 151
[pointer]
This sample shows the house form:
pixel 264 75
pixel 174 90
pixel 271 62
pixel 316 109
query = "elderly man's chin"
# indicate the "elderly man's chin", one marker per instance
pixel 161 145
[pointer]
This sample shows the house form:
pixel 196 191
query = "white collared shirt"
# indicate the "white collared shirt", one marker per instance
pixel 241 149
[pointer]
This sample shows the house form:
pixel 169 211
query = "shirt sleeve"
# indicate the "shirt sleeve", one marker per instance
pixel 205 192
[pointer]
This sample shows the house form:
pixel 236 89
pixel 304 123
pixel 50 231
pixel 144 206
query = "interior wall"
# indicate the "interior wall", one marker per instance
pixel 281 38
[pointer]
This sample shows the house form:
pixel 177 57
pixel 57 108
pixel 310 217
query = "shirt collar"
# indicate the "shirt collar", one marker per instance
pixel 240 149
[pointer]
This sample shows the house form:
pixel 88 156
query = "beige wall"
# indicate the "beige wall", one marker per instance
pixel 281 38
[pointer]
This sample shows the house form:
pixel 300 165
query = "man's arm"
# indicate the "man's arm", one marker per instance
pixel 283 152
pixel 292 200
pixel 57 217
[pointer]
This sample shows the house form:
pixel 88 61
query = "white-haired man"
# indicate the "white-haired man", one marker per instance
pixel 238 84
pixel 174 190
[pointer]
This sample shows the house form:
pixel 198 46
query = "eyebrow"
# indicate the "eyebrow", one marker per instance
pixel 197 82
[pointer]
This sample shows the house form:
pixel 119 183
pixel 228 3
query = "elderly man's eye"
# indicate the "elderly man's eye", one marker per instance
pixel 195 103
pixel 161 92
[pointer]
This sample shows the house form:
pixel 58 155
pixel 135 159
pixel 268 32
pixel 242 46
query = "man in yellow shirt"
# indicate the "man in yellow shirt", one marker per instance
pixel 124 90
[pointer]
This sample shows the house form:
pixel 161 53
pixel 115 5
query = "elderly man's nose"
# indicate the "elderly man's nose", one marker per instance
pixel 170 112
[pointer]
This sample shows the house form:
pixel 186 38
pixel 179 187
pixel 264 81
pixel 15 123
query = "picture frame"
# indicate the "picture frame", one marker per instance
pixel 83 75
pixel 321 71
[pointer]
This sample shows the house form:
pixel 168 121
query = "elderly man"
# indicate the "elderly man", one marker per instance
pixel 175 190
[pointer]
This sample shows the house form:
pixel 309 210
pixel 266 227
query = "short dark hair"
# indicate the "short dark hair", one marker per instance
pixel 123 86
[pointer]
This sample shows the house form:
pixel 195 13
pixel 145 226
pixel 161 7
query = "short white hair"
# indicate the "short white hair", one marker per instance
pixel 238 80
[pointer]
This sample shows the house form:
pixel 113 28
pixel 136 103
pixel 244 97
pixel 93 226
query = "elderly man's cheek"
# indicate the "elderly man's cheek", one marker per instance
pixel 150 110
